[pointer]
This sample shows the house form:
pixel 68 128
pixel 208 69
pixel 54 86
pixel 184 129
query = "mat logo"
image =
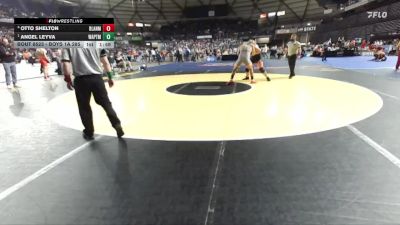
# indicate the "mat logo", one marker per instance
pixel 379 15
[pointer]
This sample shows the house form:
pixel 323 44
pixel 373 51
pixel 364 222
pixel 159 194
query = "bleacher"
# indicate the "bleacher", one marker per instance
pixel 359 25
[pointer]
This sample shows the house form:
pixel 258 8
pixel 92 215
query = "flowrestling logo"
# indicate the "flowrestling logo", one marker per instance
pixel 377 15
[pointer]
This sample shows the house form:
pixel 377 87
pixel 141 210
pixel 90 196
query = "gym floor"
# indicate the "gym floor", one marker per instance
pixel 187 164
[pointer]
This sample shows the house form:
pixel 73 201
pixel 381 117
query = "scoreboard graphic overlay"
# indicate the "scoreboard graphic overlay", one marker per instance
pixel 64 32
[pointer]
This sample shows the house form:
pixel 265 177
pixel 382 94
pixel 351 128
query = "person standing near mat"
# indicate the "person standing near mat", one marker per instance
pixel 7 56
pixel 256 59
pixel 293 50
pixel 324 52
pixel 244 57
pixel 87 69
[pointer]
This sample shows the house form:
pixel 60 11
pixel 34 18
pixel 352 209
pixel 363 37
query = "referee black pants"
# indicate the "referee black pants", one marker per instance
pixel 85 86
pixel 292 63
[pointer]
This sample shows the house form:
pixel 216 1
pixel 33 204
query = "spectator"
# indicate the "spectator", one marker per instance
pixel 273 51
pixel 158 57
pixel 153 55
pixel 26 55
pixel 324 52
pixel 264 51
pixel 280 52
pixel 57 58
pixel 7 56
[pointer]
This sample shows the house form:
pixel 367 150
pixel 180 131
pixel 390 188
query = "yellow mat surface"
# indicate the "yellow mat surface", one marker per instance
pixel 278 108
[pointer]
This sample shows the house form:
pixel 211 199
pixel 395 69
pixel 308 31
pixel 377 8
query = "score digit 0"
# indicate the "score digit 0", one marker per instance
pixel 108 36
pixel 108 27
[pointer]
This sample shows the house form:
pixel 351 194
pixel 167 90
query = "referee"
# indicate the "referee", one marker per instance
pixel 87 69
pixel 293 49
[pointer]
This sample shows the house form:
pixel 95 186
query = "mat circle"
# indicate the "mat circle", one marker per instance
pixel 208 88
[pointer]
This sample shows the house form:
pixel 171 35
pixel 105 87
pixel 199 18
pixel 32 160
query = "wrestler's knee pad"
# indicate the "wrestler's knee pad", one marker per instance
pixel 262 70
pixel 247 70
